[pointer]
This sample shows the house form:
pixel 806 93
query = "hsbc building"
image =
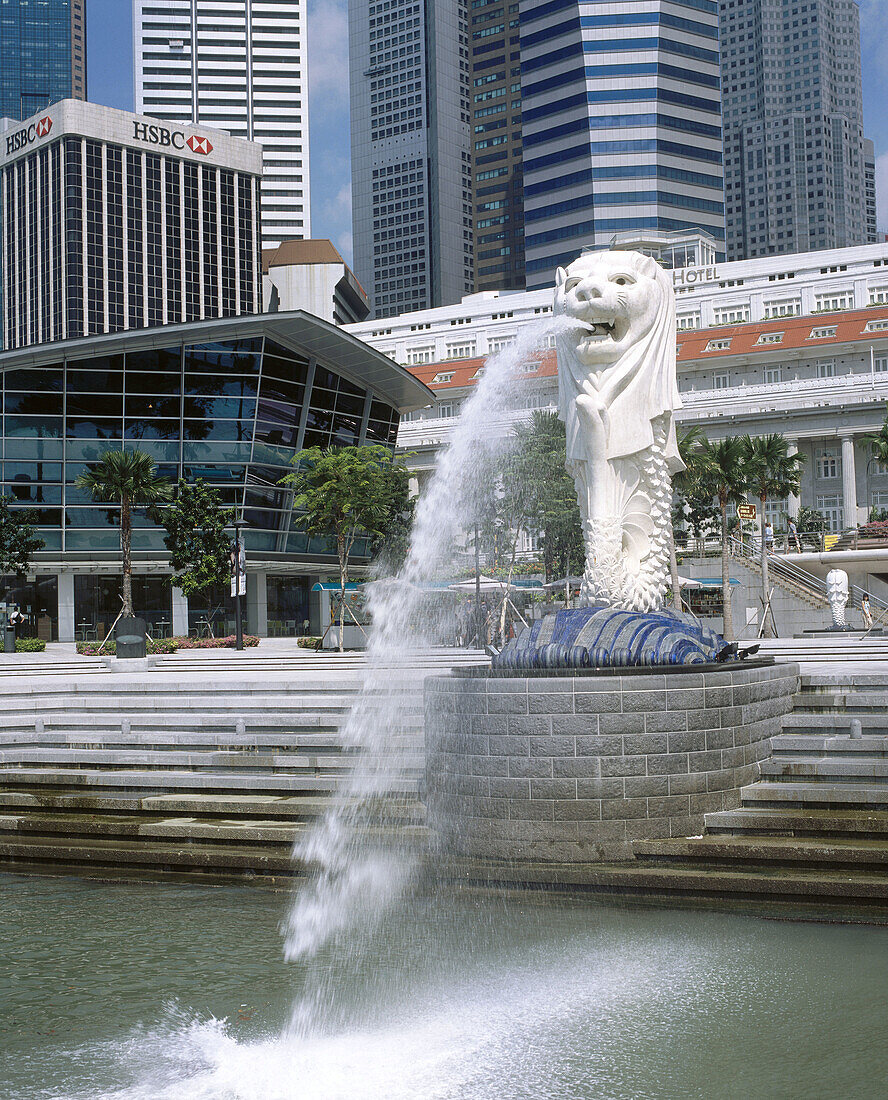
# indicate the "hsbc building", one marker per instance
pixel 115 221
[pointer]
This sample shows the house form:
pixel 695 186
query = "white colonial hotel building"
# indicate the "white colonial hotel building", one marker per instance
pixel 792 344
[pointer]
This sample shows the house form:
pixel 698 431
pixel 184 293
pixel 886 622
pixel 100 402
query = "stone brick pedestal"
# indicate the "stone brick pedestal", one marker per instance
pixel 554 767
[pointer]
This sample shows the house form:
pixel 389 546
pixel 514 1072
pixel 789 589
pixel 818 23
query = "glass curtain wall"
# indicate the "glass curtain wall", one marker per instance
pixel 232 413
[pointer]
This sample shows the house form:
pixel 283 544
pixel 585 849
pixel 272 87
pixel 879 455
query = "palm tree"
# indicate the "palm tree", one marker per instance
pixel 682 484
pixel 127 478
pixel 772 471
pixel 723 475
pixel 878 442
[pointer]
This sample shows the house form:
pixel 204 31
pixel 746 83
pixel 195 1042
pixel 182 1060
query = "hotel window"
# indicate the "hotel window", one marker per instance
pixel 830 507
pixel 718 345
pixel 441 377
pixel 498 343
pixel 826 368
pixel 878 296
pixel 773 375
pixel 417 356
pixel 688 321
pixel 784 307
pixel 823 333
pixel 835 299
pixel 446 410
pixel 721 381
pixel 879 500
pixel 880 363
pixel 827 464
pixel 731 315
pixel 770 338
pixel 774 511
pixel 876 326
pixel 464 350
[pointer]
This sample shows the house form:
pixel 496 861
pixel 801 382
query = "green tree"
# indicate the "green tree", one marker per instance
pixel 772 472
pixel 127 478
pixel 682 486
pixel 550 496
pixel 196 538
pixel 878 442
pixel 722 476
pixel 348 493
pixel 18 541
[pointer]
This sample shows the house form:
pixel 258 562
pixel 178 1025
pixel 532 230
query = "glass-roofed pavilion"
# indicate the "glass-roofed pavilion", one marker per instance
pixel 229 401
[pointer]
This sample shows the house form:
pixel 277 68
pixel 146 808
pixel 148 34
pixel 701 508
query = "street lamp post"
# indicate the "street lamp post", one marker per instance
pixel 239 524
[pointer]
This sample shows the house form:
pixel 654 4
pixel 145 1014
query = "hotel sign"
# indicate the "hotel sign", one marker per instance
pixel 688 276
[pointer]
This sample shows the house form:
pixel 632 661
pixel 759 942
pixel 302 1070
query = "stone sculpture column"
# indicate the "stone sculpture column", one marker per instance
pixel 849 481
pixel 793 502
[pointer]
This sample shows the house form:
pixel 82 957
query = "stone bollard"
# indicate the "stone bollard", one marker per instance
pixel 39 725
pixel 125 726
pixel 856 728
pixel 240 727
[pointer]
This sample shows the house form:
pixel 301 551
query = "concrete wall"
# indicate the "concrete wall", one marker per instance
pixel 575 768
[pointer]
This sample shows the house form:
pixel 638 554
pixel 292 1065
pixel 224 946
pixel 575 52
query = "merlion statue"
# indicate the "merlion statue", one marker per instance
pixel 617 394
pixel 837 594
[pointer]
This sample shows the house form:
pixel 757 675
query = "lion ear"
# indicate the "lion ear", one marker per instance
pixel 560 276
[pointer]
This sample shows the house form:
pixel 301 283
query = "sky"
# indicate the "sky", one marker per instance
pixel 110 81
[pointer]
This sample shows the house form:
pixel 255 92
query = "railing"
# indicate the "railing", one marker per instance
pixel 781 568
pixel 856 388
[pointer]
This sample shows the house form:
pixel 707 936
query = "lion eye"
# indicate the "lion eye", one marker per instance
pixel 571 284
pixel 622 280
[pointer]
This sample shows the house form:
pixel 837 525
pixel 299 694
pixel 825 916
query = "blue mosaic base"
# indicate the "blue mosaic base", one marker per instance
pixel 602 637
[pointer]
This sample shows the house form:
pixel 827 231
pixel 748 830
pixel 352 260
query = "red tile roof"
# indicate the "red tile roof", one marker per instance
pixel 850 328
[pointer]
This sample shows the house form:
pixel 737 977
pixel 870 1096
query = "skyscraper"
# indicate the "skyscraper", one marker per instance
pixel 621 124
pixel 238 65
pixel 112 222
pixel 411 159
pixel 42 55
pixel 497 176
pixel 793 121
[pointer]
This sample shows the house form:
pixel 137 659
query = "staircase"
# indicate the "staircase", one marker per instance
pixel 199 769
pixel 812 834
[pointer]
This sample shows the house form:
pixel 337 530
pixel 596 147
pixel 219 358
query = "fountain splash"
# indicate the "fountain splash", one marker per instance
pixel 356 878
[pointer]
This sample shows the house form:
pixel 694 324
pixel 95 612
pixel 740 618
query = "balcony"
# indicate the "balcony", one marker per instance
pixel 788 396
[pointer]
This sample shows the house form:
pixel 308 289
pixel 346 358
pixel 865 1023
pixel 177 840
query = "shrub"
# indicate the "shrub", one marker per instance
pixel 29 645
pixel 307 642
pixel 216 643
pixel 154 647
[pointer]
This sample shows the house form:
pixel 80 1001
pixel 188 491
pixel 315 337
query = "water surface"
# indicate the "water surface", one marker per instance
pixel 142 992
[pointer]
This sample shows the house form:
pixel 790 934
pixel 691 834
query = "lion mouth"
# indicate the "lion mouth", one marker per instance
pixel 601 330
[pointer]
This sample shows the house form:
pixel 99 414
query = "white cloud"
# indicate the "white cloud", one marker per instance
pixel 328 57
pixel 344 244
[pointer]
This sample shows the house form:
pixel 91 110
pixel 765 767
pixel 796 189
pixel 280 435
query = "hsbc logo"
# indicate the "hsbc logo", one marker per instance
pixel 200 145
pixel 160 135
pixel 28 135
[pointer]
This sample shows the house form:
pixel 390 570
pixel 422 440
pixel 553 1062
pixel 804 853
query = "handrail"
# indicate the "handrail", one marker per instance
pixel 802 576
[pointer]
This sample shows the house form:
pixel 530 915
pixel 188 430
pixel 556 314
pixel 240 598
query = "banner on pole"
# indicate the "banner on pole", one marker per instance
pixel 238 565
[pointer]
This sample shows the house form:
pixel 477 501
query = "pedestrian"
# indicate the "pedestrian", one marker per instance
pixel 769 536
pixel 865 611
pixel 793 537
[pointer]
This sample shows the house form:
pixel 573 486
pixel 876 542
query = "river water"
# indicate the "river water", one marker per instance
pixel 143 992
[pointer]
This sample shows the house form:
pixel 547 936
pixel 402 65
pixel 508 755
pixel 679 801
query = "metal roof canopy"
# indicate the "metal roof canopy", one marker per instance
pixel 332 346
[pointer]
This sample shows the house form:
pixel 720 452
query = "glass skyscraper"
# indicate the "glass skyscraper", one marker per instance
pixel 42 54
pixel 795 166
pixel 621 124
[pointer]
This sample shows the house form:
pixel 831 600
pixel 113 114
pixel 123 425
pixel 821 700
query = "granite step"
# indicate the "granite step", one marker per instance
pixel 787 821
pixel 870 743
pixel 181 828
pixel 753 852
pixel 826 768
pixel 805 794
pixel 809 724
pixel 178 780
pixel 245 759
pixel 207 805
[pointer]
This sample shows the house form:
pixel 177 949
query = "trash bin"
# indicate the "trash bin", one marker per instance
pixel 130 636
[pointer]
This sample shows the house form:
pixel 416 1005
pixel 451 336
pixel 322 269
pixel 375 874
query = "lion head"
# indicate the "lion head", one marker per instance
pixel 610 301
